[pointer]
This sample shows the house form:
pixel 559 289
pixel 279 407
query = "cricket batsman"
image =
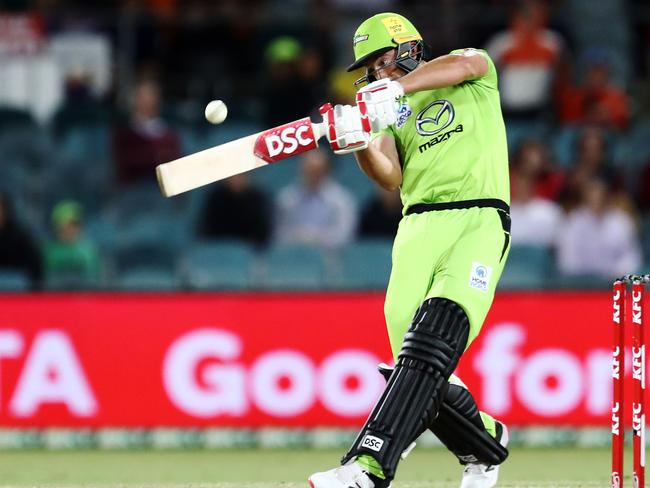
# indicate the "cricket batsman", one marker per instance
pixel 434 129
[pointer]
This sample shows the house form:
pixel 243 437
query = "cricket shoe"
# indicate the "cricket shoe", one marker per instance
pixel 347 476
pixel 479 475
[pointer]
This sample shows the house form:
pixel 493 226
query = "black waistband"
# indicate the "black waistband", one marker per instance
pixel 502 207
pixel 480 202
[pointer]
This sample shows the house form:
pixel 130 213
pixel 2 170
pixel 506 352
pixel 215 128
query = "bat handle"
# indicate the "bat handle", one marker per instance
pixel 319 129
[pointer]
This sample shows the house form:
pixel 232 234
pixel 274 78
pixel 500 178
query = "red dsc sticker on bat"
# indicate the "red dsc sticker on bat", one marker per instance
pixel 285 141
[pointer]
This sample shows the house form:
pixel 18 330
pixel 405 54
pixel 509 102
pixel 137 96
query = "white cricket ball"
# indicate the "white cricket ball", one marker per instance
pixel 216 112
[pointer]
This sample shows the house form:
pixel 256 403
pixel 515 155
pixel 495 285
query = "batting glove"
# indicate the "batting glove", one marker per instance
pixel 347 130
pixel 379 101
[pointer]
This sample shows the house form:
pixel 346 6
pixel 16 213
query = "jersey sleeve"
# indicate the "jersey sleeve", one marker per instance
pixel 489 79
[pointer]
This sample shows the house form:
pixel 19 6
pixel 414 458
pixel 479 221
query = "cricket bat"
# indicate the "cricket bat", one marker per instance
pixel 239 156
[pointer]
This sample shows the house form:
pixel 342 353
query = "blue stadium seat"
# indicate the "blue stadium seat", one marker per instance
pixel 148 279
pixel 190 140
pixel 219 264
pixel 86 144
pixel 565 145
pixel 31 147
pixel 12 118
pixel 564 142
pixel 138 201
pixel 152 240
pixel 365 264
pixel 528 267
pixel 292 267
pixel 102 232
pixel 518 131
pixel 274 177
pixel 226 132
pixel 348 174
pixel 71 281
pixel 634 150
pixel 14 281
pixel 579 281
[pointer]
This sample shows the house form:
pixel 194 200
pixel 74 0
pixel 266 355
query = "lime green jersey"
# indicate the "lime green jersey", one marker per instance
pixel 452 142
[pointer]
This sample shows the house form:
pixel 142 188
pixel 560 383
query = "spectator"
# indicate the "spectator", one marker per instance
pixel 236 209
pixel 69 255
pixel 146 140
pixel 528 55
pixel 535 219
pixel 592 161
pixel 294 86
pixel 598 238
pixel 80 106
pixel 381 214
pixel 18 250
pixel 533 163
pixel 597 101
pixel 316 210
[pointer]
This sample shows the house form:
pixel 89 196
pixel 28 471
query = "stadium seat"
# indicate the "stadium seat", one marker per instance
pixel 292 267
pixel 190 141
pixel 30 146
pixel 222 264
pixel 85 144
pixel 563 143
pixel 14 281
pixel 634 149
pixel 274 177
pixel 102 232
pixel 11 118
pixel 71 281
pixel 528 267
pixel 137 201
pixel 517 131
pixel 152 240
pixel 220 134
pixel 580 281
pixel 79 115
pixel 365 264
pixel 147 279
pixel 144 254
pixel 347 173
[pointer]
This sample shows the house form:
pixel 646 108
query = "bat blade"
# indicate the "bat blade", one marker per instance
pixel 208 166
pixel 238 156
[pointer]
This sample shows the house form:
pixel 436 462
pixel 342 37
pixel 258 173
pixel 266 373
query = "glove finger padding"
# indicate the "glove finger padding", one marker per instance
pixel 380 115
pixel 346 131
pixel 379 101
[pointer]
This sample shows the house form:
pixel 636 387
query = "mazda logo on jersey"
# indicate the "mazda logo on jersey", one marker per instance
pixel 435 118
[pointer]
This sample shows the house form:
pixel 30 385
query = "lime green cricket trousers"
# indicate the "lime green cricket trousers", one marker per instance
pixel 456 253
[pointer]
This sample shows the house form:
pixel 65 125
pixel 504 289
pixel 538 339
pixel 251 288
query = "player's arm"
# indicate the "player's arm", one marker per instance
pixel 378 101
pixel 350 132
pixel 447 70
pixel 380 162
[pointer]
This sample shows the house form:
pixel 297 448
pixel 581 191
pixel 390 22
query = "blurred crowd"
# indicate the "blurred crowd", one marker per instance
pixel 121 89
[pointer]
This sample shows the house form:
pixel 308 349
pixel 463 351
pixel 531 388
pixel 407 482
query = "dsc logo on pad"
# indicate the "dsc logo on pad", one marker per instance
pixel 373 443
